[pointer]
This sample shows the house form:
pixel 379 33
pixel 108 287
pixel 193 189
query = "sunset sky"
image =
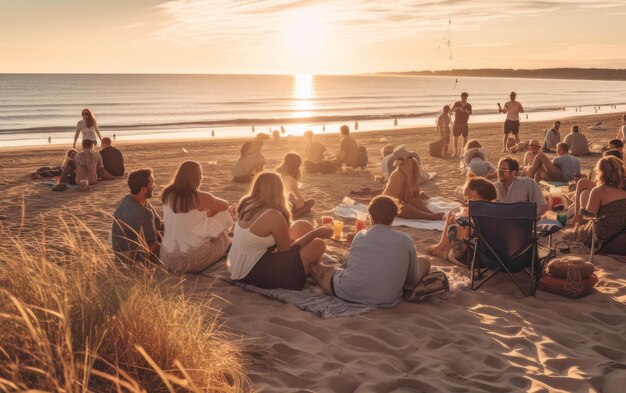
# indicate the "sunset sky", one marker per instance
pixel 307 36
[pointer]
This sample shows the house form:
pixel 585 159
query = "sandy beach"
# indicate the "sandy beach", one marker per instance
pixel 490 340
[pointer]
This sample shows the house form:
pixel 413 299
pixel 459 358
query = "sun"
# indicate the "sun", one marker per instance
pixel 304 32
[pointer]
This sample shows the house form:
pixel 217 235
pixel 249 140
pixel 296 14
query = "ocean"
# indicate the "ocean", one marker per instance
pixel 34 107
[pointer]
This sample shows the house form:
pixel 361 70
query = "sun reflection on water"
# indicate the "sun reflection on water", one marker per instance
pixel 303 95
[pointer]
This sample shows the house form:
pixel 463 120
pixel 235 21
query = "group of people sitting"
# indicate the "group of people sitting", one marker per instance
pixel 316 160
pixel 270 248
pixel 91 165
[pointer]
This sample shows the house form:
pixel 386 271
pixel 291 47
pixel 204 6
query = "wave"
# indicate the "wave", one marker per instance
pixel 258 121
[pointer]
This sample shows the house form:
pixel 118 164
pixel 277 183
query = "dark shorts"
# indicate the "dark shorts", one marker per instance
pixel 511 126
pixel 460 129
pixel 278 270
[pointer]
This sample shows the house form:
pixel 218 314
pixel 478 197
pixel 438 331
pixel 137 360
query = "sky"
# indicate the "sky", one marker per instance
pixel 307 36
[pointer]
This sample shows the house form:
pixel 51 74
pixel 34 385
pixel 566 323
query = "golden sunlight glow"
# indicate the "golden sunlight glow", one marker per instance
pixel 304 32
pixel 303 93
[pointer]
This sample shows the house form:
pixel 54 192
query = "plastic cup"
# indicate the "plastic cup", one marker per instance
pixel 360 221
pixel 344 167
pixel 327 220
pixel 338 228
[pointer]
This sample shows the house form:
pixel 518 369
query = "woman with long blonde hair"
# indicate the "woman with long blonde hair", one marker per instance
pixel 268 251
pixel 290 173
pixel 403 186
pixel 88 127
pixel 196 233
pixel 608 199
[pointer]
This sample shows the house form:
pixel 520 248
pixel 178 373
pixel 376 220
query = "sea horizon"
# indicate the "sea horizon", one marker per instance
pixel 187 106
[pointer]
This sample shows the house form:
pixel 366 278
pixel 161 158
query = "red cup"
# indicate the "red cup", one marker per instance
pixel 327 220
pixel 360 225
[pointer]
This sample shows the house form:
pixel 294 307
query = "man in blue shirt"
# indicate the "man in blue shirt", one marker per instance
pixel 380 261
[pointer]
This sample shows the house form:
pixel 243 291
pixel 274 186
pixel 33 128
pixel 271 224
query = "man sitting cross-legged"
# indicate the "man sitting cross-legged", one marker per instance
pixel 564 167
pixel 380 261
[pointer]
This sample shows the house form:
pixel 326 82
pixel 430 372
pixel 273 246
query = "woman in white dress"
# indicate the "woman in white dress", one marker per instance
pixel 88 127
pixel 196 223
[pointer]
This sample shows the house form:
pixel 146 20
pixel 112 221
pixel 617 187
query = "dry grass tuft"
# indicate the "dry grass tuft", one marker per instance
pixel 77 322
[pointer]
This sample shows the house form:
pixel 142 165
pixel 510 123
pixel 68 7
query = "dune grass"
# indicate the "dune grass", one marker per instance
pixel 73 320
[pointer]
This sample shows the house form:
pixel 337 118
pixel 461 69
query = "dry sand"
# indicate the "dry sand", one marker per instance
pixel 489 340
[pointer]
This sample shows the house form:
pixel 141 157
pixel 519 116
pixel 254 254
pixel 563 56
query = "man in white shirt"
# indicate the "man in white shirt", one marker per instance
pixel 512 109
pixel 553 136
pixel 513 188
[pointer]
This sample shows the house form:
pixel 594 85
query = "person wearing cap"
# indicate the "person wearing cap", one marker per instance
pixel 552 138
pixel 250 161
pixel 462 111
pixel 403 185
pixel 512 109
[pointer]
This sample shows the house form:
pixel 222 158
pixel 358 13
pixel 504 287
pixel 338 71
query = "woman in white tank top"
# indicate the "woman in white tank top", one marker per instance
pixel 196 223
pixel 88 127
pixel 267 251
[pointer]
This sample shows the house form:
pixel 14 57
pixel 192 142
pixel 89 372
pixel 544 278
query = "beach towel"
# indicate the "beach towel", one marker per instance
pixel 309 299
pixel 436 204
pixel 550 183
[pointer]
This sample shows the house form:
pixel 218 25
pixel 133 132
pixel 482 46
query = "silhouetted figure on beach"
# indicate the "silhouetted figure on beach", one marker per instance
pixel 462 111
pixel 114 137
pixel 282 129
pixel 512 109
pixel 49 140
pixel 356 126
pixel 395 121
pixel 212 133
pixel 253 128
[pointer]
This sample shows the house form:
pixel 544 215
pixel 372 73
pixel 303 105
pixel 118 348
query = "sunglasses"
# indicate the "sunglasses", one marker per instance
pixel 503 170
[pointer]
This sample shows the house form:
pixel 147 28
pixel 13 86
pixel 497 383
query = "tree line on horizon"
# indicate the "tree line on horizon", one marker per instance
pixel 547 73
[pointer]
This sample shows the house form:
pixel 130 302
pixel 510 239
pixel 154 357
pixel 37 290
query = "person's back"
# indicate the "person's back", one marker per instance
pixel 130 220
pixel 87 163
pixel 314 152
pixel 112 159
pixel 578 143
pixel 350 150
pixel 480 167
pixel 377 267
pixel 569 166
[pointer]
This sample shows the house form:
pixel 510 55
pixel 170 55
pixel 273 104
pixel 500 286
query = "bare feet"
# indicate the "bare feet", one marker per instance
pixel 437 251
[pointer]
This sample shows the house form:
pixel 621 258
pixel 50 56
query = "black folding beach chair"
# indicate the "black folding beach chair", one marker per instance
pixel 504 238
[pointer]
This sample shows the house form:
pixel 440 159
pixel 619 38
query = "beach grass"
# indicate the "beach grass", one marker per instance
pixel 73 320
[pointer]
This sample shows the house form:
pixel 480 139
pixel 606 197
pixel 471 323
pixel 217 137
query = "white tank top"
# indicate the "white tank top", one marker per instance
pixel 185 232
pixel 246 250
pixel 87 132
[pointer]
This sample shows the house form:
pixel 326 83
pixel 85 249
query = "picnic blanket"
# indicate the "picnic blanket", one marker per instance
pixel 550 183
pixel 436 204
pixel 311 298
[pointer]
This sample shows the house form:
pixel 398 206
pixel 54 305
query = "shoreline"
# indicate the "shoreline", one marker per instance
pixel 592 118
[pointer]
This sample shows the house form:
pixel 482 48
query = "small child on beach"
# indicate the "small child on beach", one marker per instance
pixel 443 126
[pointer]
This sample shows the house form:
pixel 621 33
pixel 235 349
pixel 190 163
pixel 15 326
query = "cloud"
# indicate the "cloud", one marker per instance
pixel 225 23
